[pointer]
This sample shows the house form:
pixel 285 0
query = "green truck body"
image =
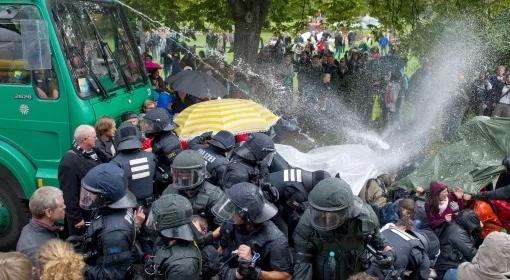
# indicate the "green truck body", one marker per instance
pixel 62 64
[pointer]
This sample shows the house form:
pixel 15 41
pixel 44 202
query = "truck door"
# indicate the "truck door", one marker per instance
pixel 34 115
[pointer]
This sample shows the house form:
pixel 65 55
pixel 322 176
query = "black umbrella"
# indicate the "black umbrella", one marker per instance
pixel 197 84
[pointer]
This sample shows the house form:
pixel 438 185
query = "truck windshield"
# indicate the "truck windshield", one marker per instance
pixel 100 54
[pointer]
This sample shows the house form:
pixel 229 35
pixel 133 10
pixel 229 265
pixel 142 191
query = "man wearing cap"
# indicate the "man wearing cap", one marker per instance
pixel 332 234
pixel 214 151
pixel 108 240
pixel 176 256
pixel 130 117
pixel 251 246
pixel 139 169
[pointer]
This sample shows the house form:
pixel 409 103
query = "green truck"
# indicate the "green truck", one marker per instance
pixel 62 63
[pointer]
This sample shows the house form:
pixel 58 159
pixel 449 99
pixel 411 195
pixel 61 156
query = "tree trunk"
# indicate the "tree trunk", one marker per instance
pixel 249 16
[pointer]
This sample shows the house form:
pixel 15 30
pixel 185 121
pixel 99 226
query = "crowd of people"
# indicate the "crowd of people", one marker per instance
pixel 224 209
pixel 137 204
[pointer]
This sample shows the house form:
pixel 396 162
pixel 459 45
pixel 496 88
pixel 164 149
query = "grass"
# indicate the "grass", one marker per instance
pixel 229 56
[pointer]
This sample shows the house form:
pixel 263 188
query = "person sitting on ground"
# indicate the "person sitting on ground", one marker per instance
pixel 47 207
pixel 442 205
pixel 457 241
pixel 491 262
pixel 58 261
pixel 15 266
pixel 375 190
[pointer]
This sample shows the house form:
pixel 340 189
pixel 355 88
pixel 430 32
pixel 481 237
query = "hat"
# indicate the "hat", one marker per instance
pixel 172 215
pixel 128 137
pixel 224 140
pixel 128 115
pixel 436 187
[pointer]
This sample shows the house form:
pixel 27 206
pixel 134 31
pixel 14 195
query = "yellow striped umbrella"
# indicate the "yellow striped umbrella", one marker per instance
pixel 235 115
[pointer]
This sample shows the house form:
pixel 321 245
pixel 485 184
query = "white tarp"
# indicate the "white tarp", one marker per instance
pixel 355 163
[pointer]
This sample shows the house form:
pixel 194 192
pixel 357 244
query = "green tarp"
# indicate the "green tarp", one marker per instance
pixel 471 161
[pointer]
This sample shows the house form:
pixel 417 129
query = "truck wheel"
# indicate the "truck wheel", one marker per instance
pixel 13 215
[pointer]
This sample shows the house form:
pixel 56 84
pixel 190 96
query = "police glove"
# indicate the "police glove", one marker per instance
pixel 248 271
pixel 385 259
pixel 270 193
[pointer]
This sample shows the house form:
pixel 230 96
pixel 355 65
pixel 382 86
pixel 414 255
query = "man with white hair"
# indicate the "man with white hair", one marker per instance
pixel 73 166
pixel 47 207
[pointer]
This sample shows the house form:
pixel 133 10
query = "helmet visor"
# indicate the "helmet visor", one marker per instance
pixel 224 209
pixel 87 199
pixel 268 160
pixel 327 220
pixel 185 179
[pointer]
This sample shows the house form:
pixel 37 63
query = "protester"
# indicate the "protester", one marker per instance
pixel 15 266
pixel 457 241
pixel 47 208
pixel 58 261
pixel 443 206
pixel 73 166
pixel 105 129
pixel 491 262
pixel 375 190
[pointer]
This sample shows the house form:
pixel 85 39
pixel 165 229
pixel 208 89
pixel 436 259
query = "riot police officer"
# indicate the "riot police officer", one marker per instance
pixel 139 168
pixel 176 256
pixel 157 124
pixel 252 247
pixel 293 186
pixel 189 173
pixel 109 237
pixel 331 236
pixel 416 251
pixel 215 153
pixel 250 162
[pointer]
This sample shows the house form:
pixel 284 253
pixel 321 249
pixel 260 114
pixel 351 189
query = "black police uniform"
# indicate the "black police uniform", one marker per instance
pixel 216 163
pixel 206 197
pixel 238 171
pixel 268 241
pixel 165 146
pixel 411 254
pixel 139 167
pixel 111 234
pixel 293 186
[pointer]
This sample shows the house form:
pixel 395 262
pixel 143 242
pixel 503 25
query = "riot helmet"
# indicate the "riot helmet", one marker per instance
pixel 258 148
pixel 332 203
pixel 156 121
pixel 223 140
pixel 188 170
pixel 171 216
pixel 105 186
pixel 246 200
pixel 127 137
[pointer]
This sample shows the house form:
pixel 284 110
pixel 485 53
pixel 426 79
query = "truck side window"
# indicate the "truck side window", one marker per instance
pixel 14 66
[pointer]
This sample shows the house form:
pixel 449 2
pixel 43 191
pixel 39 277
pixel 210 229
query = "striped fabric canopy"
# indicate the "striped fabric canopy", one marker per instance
pixel 235 115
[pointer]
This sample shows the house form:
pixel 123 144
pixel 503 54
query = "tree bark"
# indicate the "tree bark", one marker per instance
pixel 249 17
